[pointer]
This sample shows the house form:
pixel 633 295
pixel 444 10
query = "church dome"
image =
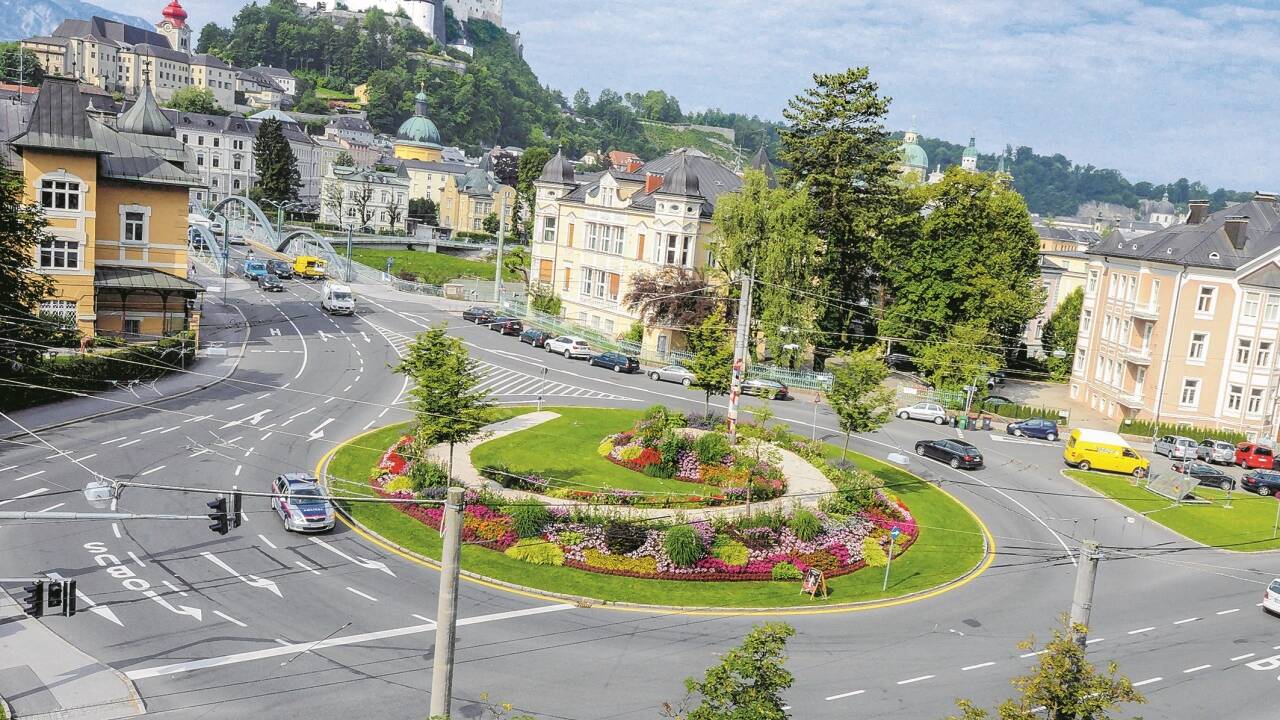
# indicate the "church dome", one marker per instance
pixel 1164 207
pixel 144 116
pixel 558 170
pixel 174 13
pixel 419 128
pixel 972 150
pixel 912 155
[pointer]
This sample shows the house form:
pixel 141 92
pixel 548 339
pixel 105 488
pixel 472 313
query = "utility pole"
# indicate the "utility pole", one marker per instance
pixel 1082 599
pixel 497 270
pixel 740 355
pixel 447 609
pixel 349 228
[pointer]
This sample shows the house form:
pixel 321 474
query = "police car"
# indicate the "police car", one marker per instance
pixel 299 500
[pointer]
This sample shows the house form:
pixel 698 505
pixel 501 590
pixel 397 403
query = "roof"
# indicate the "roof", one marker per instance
pixel 253 76
pixel 1204 244
pixel 452 168
pixel 761 162
pixel 124 159
pixel 712 178
pixel 1266 276
pixel 134 278
pixel 681 180
pixel 144 116
pixel 912 155
pixel 211 60
pixel 58 120
pixel 273 72
pixel 557 170
pixel 1100 436
pixel 103 29
pixel 350 122
pixel 622 157
pixel 972 149
pixel 161 51
pixel 365 175
pixel 274 114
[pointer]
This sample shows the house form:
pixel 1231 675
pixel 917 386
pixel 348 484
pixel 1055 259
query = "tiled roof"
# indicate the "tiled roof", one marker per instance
pixel 354 123
pixel 1204 244
pixel 212 61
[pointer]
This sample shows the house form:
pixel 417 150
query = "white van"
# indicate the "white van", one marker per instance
pixel 338 299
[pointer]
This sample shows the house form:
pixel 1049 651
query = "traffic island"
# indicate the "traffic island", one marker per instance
pixel 733 560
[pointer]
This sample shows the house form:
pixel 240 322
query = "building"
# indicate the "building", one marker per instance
pixel 96 51
pixel 429 179
pixel 282 78
pixel 468 199
pixel 258 90
pixel 426 15
pixel 624 161
pixel 362 197
pixel 1182 325
pixel 116 204
pixel 969 158
pixel 592 236
pixel 417 138
pixel 464 10
pixel 1161 212
pixel 351 127
pixel 214 75
pixel 913 161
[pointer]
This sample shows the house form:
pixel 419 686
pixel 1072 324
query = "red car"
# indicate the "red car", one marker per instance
pixel 1249 455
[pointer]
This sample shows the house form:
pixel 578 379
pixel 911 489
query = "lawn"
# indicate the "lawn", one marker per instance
pixel 432 268
pixel 1248 525
pixel 950 542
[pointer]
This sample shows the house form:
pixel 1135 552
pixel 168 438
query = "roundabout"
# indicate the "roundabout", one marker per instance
pixel 597 531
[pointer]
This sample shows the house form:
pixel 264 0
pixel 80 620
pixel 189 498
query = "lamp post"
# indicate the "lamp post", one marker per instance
pixel 281 208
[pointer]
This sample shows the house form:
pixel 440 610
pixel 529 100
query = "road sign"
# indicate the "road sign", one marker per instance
pixel 895 532
pixel 814 581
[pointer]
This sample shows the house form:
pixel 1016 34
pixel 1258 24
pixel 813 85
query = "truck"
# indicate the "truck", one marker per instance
pixel 309 267
pixel 337 299
pixel 254 268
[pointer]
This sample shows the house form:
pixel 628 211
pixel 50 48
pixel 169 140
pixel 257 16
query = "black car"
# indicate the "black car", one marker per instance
pixel 956 453
pixel 506 325
pixel 617 361
pixel 536 338
pixel 282 269
pixel 1263 482
pixel 900 361
pixel 270 283
pixel 478 315
pixel 1205 474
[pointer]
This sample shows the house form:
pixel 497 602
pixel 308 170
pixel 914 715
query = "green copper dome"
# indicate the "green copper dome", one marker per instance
pixel 419 128
pixel 972 150
pixel 912 155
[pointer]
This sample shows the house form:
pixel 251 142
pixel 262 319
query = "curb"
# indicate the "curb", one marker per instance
pixel 988 555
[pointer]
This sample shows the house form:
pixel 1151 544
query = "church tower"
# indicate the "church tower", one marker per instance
pixel 969 158
pixel 174 26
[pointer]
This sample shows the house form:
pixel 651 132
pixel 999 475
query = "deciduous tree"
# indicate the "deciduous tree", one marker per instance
pixel 449 406
pixel 362 199
pixel 344 159
pixel 1060 332
pixel 195 99
pixel 858 395
pixel 19 65
pixel 711 343
pixel 747 684
pixel 671 296
pixel 966 356
pixel 22 229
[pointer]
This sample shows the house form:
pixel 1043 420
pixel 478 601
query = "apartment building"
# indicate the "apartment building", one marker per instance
pixel 364 198
pixel 1182 325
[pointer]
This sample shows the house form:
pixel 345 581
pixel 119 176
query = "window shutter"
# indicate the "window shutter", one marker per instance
pixel 613 284
pixel 640 247
pixel 544 271
pixel 570 243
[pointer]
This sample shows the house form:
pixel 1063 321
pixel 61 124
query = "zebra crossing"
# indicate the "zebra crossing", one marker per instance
pixel 507 383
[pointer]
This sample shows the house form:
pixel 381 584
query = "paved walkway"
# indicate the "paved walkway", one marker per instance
pixel 806 484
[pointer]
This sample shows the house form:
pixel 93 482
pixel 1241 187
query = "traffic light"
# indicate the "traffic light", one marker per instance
pixel 33 600
pixel 53 597
pixel 235 509
pixel 219 515
pixel 61 597
pixel 68 597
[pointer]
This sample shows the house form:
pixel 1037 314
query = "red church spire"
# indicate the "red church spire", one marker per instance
pixel 175 14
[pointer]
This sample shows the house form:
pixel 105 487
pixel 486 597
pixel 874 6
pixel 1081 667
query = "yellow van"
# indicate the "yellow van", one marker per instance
pixel 309 267
pixel 1101 450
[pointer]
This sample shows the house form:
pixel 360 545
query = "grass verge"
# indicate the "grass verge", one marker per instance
pixel 950 544
pixel 1247 526
pixel 432 268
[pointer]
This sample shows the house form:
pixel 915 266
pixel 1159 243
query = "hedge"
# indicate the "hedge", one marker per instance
pixel 102 370
pixel 1021 412
pixel 1146 428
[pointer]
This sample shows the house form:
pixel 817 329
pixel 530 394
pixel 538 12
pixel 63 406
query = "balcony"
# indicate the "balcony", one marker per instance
pixel 1138 356
pixel 1145 312
pixel 1132 400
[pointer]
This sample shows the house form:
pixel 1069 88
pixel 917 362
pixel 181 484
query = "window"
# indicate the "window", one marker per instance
pixel 1255 401
pixel 1080 360
pixel 1190 393
pixel 235 162
pixel 1204 302
pixel 1086 319
pixel 235 184
pixel 1235 393
pixel 605 238
pixel 1271 313
pixel 186 139
pixel 61 309
pixel 1263 359
pixel 200 159
pixel 215 142
pixel 1251 302
pixel 60 194
pixel 134 227
pixel 549 230
pixel 200 140
pixel 1244 348
pixel 1199 344
pixel 678 250
pixel 216 161
pixel 1132 293
pixel 59 254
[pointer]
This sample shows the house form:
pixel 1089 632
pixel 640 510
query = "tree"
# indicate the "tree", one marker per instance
pixel 195 99
pixel 1063 686
pixel 515 260
pixel 965 357
pixel 344 159
pixel 491 223
pixel 711 343
pixel 278 178
pixel 212 38
pixel 19 65
pixel 506 169
pixel 333 199
pixel 309 103
pixel 450 408
pixel 424 211
pixel 546 302
pixel 1060 332
pixel 858 396
pixel 582 101
pixel 362 199
pixel 22 229
pixel 394 212
pixel 837 145
pixel 747 684
pixel 671 296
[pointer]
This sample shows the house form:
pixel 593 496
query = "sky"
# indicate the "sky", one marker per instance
pixel 1158 89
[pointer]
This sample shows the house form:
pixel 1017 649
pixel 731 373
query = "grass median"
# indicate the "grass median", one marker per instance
pixel 951 541
pixel 431 268
pixel 1249 525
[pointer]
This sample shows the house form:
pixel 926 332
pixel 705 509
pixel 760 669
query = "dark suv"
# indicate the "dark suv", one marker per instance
pixel 282 269
pixel 270 283
pixel 506 325
pixel 617 361
pixel 535 337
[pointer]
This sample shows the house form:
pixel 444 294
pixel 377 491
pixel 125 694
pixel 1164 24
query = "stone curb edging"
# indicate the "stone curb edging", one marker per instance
pixel 8 709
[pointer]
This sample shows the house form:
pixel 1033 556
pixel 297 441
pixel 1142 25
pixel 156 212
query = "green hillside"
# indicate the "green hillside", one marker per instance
pixel 665 138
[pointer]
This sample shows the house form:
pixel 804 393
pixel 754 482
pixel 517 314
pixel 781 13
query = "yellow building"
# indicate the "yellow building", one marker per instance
pixel 116 205
pixel 467 200
pixel 418 138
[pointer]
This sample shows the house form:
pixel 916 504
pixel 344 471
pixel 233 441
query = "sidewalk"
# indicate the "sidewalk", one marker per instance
pixel 44 677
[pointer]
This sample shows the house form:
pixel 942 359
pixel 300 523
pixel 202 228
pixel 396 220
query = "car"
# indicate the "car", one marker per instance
pixel 1035 428
pixel 766 388
pixel 900 361
pixel 300 502
pixel 1175 446
pixel 536 338
pixel 1205 474
pixel 1263 482
pixel 1252 455
pixel 478 314
pixel 1090 449
pixel 568 346
pixel 506 325
pixel 270 283
pixel 617 361
pixel 236 240
pixel 1271 598
pixel 674 373
pixel 997 400
pixel 282 269
pixel 930 411
pixel 215 227
pixel 1216 451
pixel 995 378
pixel 956 453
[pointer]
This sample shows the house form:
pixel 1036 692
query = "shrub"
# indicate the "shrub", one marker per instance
pixel 622 537
pixel 424 473
pixel 759 538
pixel 729 551
pixel 605 448
pixel 536 551
pixel 630 453
pixel 710 421
pixel 399 483
pixel 873 552
pixel 660 470
pixel 500 474
pixel 786 571
pixel 571 537
pixel 821 559
pixel 711 448
pixel 772 519
pixel 1147 428
pixel 671 446
pixel 683 545
pixel 805 525
pixel 605 561
pixel 529 519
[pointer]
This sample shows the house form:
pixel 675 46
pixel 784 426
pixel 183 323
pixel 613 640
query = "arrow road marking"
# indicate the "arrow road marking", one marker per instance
pixel 362 562
pixel 101 611
pixel 275 331
pixel 179 610
pixel 23 495
pixel 323 335
pixel 250 580
pixel 253 419
pixel 318 432
pixel 297 414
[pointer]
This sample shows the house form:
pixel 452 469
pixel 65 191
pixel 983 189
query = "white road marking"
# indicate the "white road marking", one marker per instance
pixel 908 681
pixel 368 424
pixel 135 441
pixel 282 641
pixel 28 476
pixel 1033 654
pixel 115 529
pixel 330 399
pixel 24 495
pixel 362 562
pixel 174 588
pixel 1141 630
pixel 424 619
pixel 1246 656
pixel 296 415
pixel 293 648
pixel 166 431
pixel 1187 620
pixel 979 665
pixel 198 453
pixel 366 596
pixel 154 429
pixel 318 432
pixel 248 578
pixel 1196 669
pixel 86 457
pixel 1148 681
pixel 346 389
pixel 228 618
pixel 267 540
pixel 135 558
pixel 1228 612
pixel 7 468
pixel 51 508
pixel 195 419
pixel 269 434
pixel 306 567
pixel 101 611
pixel 366 337
pixel 236 406
pixel 238 470
pixel 1093 640
pixel 844 695
pixel 233 440
pixel 248 452
pixel 263 395
pixel 194 612
pixel 113 440
pixel 154 469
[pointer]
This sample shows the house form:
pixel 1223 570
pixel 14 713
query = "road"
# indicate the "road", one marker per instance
pixel 277 624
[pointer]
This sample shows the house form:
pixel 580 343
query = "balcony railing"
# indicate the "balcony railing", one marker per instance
pixel 1132 400
pixel 1138 356
pixel 1145 312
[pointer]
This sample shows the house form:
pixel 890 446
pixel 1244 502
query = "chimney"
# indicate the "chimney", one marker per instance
pixel 1199 209
pixel 1266 198
pixel 652 181
pixel 1236 227
pixel 634 164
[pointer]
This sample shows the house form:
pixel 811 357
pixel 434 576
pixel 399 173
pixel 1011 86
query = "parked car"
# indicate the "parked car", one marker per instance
pixel 930 411
pixel 506 325
pixel 300 502
pixel 901 362
pixel 1216 451
pixel 1090 449
pixel 270 283
pixel 766 388
pixel 1205 474
pixel 569 346
pixel 993 400
pixel 1263 482
pixel 1251 455
pixel 956 453
pixel 674 373
pixel 282 269
pixel 478 315
pixel 1175 446
pixel 1035 428
pixel 1271 598
pixel 536 338
pixel 616 361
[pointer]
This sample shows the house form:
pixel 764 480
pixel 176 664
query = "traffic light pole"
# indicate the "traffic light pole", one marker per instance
pixel 24 515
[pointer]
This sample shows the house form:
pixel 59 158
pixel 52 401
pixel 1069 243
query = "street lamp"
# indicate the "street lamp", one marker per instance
pixel 350 228
pixel 281 208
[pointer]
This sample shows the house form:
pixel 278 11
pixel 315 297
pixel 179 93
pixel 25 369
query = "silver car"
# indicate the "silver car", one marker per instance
pixel 1216 451
pixel 1176 446
pixel 675 374
pixel 931 411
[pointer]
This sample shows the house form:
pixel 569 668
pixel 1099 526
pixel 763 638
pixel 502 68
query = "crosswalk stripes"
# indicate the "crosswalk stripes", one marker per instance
pixel 505 382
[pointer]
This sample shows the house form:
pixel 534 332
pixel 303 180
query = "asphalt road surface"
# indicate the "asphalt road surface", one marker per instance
pixel 277 624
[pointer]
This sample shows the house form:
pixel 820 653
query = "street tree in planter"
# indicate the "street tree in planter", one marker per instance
pixel 746 685
pixel 858 396
pixel 450 408
pixel 712 361
pixel 278 177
